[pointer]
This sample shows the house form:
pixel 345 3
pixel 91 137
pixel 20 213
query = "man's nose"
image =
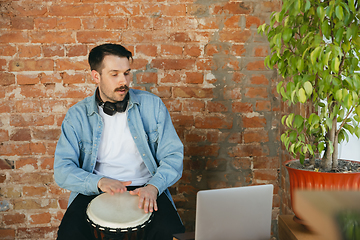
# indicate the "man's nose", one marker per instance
pixel 122 79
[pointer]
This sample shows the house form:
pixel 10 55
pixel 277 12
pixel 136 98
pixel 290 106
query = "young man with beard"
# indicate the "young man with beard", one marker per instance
pixel 119 139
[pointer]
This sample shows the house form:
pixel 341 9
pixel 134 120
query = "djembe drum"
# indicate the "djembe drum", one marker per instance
pixel 117 217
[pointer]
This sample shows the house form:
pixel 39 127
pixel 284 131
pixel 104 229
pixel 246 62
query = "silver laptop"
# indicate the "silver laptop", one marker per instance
pixel 241 213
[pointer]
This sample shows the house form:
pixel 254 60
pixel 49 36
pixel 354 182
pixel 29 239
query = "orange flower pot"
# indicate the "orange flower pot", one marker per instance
pixel 311 180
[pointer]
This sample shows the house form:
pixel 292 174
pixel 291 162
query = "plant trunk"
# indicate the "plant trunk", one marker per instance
pixel 328 156
pixel 335 153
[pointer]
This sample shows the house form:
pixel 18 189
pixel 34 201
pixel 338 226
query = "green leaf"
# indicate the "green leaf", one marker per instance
pixel 321 13
pixel 287 35
pixel 301 95
pixel 339 12
pixel 308 88
pixel 300 64
pixel 293 136
pixel 315 54
pixel 307 5
pixel 325 27
pixel 298 121
pixel 338 95
pixel 335 63
pixel 302 159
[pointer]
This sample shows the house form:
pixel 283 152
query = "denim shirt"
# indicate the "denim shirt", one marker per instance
pixel 151 128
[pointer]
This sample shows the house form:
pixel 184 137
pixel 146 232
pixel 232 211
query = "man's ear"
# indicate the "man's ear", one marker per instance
pixel 96 76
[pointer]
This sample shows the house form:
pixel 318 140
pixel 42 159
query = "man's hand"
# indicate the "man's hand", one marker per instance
pixel 147 197
pixel 112 186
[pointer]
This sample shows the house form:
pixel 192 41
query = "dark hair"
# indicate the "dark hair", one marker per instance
pixel 97 54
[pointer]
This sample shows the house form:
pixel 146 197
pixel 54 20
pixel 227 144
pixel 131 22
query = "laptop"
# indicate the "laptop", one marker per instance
pixel 240 213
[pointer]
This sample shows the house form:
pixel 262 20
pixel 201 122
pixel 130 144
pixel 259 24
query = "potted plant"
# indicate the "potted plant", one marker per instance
pixel 315 46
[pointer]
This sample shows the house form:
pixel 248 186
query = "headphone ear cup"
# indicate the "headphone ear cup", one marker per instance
pixel 109 108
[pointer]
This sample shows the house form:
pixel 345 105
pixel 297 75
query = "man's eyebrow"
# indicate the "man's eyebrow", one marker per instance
pixel 120 71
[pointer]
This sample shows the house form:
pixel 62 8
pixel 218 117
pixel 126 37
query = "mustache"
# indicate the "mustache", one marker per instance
pixel 122 88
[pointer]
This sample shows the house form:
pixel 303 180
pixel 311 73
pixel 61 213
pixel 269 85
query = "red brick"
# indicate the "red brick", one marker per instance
pixel 5 22
pixel 180 37
pixel 236 138
pixel 26 164
pixel 47 163
pixel 182 120
pixel 256 92
pixel 46 134
pixel 242 107
pixel 163 23
pixel 2 180
pixel 71 64
pixel 45 23
pixel 24 120
pixel 147 50
pixel 116 10
pixel 232 93
pixel 202 150
pixel 194 77
pixel 38 148
pixel 175 10
pixel 195 136
pixel 116 23
pixel 205 64
pixel 69 23
pixel 235 36
pixel 259 80
pixel 261 51
pixel 171 50
pixel 93 23
pixel 253 20
pixel 209 22
pixel 17 149
pixel 263 105
pixel 254 122
pixel 216 136
pixel 33 91
pixel 256 66
pixel 161 91
pixel 53 51
pixel 234 8
pixel 186 23
pixel 173 64
pixel 22 23
pixel 193 106
pixel 170 77
pixel 266 163
pixel 139 64
pixel 29 9
pixel 242 163
pixel 221 122
pixel 21 135
pixel 268 174
pixel 238 50
pixel 76 51
pixel 32 178
pixel 72 10
pixel 140 22
pixel 73 78
pixel 7 233
pixel 192 50
pixel 27 106
pixel 258 136
pixel 217 106
pixel 6 79
pixel 10 219
pixel 4 135
pixel 233 22
pixel 29 51
pixel 147 77
pixel 98 36
pixel 40 218
pixel 37 233
pixel 6 50
pixel 32 65
pixel 52 37
pixel 190 92
pixel 14 37
pixel 173 105
pixel 248 150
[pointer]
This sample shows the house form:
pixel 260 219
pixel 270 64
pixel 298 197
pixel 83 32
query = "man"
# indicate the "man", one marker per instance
pixel 118 139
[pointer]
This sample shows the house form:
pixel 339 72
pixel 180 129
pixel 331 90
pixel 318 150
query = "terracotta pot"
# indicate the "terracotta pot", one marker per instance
pixel 310 180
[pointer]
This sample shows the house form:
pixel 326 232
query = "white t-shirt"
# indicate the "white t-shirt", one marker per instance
pixel 118 156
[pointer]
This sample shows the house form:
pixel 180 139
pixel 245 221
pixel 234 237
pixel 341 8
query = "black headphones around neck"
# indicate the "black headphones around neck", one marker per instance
pixel 111 108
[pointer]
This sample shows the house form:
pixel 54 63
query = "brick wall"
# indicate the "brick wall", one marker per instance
pixel 202 57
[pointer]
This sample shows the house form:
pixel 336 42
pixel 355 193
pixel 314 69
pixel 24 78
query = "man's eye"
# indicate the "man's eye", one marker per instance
pixel 114 75
pixel 127 73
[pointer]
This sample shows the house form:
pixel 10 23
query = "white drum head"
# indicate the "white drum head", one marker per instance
pixel 116 211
